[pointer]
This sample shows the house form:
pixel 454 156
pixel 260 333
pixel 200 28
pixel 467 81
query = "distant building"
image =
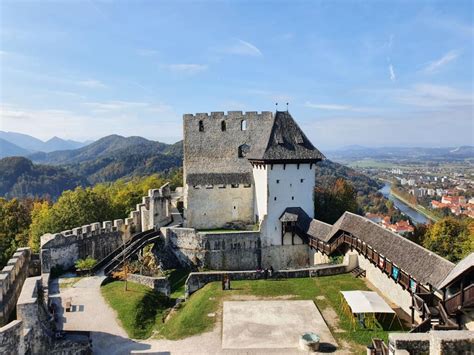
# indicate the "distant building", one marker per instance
pixel 411 182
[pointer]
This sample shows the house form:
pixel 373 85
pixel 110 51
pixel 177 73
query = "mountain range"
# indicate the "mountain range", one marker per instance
pixel 24 144
pixel 356 152
pixel 107 159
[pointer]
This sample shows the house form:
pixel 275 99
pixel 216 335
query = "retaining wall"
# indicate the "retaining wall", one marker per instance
pixel 159 284
pixel 12 277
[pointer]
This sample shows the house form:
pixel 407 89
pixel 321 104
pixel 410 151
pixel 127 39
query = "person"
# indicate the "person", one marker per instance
pixel 266 273
pixel 270 271
pixel 223 282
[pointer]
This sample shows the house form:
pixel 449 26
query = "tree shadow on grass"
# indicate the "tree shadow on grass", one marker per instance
pixel 148 308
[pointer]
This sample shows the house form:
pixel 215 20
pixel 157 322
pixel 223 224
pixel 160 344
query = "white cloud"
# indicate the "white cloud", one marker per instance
pixel 188 68
pixel 327 106
pixel 437 64
pixel 244 48
pixel 392 72
pixel 117 105
pixel 429 95
pixel 92 84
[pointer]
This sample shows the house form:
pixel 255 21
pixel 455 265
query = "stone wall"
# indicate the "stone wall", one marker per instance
pixel 433 343
pixel 159 284
pixel 239 250
pixel 197 280
pixel 12 277
pixel 387 286
pixel 98 240
pixel 64 250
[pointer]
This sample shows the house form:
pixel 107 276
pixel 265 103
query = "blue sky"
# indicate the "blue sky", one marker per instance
pixel 374 73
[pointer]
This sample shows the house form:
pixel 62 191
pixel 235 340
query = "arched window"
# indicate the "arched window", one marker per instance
pixel 243 125
pixel 223 126
pixel 201 126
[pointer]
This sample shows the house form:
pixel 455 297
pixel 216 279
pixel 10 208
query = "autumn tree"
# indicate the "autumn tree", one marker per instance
pixel 451 238
pixel 331 202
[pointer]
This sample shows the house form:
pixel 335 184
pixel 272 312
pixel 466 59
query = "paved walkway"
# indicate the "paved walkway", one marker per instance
pixel 91 313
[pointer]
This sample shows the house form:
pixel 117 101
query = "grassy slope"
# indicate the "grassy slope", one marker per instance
pixel 138 309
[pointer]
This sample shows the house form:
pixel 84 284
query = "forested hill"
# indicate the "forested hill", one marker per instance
pixel 327 171
pixel 19 177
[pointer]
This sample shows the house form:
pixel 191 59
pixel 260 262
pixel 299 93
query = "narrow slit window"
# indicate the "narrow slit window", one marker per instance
pixel 223 126
pixel 201 126
pixel 243 125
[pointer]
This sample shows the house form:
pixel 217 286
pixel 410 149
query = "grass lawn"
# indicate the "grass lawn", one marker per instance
pixel 192 317
pixel 138 309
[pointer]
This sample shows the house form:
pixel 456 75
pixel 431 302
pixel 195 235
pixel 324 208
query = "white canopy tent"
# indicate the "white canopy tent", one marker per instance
pixel 366 302
pixel 365 305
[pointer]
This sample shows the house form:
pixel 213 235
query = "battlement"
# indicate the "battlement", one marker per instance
pixel 12 277
pixel 98 239
pixel 229 116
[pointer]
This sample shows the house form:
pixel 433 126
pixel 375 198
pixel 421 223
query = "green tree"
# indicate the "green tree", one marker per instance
pixel 41 222
pixel 14 222
pixel 451 238
pixel 332 202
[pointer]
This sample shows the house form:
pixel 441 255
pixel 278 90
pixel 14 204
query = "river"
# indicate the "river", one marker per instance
pixel 414 215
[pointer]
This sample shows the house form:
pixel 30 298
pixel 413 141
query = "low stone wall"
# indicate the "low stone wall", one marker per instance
pixel 159 284
pixel 12 277
pixel 197 280
pixel 31 333
pixel 433 343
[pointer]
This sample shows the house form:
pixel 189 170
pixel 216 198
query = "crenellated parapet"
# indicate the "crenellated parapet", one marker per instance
pixel 99 239
pixel 12 277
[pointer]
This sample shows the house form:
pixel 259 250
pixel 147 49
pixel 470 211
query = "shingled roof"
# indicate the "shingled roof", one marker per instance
pixel 219 179
pixel 464 265
pixel 285 142
pixel 421 263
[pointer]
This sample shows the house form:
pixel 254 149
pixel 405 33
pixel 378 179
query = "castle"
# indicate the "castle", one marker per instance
pixel 247 168
pixel 248 204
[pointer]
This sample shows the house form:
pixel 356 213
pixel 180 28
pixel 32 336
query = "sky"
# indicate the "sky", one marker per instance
pixel 371 73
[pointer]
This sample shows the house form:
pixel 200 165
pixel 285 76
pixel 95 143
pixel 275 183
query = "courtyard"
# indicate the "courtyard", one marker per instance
pixel 254 317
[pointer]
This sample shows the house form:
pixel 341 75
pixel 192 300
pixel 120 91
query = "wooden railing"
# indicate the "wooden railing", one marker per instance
pixel 463 298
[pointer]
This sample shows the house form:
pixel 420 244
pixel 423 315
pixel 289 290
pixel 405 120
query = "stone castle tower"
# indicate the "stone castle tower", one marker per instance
pixel 246 167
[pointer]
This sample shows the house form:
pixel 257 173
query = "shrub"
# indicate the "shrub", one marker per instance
pixel 85 264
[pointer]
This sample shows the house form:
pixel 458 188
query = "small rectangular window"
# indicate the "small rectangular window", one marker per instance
pixel 292 197
pixel 275 198
pixel 301 180
pixel 234 186
pixel 278 181
pixel 247 186
pixel 209 186
pixel 222 186
pixel 197 187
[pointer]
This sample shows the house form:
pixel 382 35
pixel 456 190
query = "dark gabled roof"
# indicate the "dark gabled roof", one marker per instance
pixel 310 226
pixel 421 263
pixel 460 268
pixel 285 142
pixel 218 179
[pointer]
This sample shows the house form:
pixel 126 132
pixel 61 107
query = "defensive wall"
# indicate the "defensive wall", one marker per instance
pixel 239 250
pixel 12 277
pixel 31 333
pixel 197 280
pixel 98 240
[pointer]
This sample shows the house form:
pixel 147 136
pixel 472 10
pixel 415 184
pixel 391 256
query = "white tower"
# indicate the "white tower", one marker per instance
pixel 284 176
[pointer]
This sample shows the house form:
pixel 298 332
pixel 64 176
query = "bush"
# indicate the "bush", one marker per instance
pixel 85 264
